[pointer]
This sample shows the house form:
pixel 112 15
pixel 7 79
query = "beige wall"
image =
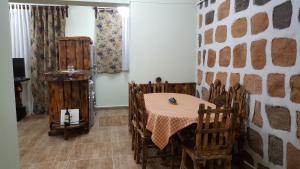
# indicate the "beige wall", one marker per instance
pixel 8 128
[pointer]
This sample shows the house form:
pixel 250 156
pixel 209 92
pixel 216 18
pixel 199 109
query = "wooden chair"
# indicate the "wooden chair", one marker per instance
pixel 147 88
pixel 184 89
pixel 214 138
pixel 130 105
pixel 238 94
pixel 135 120
pixel 143 136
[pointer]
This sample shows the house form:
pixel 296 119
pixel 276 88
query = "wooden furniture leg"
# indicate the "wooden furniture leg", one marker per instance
pixel 138 152
pixel 228 163
pixel 183 160
pixel 172 153
pixel 145 156
pixel 66 132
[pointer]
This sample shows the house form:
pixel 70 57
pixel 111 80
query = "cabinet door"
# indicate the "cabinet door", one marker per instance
pixel 55 100
pixel 75 51
pixel 72 95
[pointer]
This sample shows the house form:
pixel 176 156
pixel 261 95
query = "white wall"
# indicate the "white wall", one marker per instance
pixel 8 128
pixel 111 89
pixel 162 43
pixel 81 22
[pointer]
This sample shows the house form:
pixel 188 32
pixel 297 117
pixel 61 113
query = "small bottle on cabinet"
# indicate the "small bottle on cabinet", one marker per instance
pixel 67 118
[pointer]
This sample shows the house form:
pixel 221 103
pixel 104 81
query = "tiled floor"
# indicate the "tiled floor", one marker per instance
pixel 106 146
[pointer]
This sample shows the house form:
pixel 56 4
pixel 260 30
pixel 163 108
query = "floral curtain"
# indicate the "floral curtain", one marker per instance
pixel 47 25
pixel 109 41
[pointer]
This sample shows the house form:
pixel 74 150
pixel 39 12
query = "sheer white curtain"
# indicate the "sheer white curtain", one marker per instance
pixel 20 42
pixel 124 12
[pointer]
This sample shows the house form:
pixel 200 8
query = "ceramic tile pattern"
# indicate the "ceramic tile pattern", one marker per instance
pixel 106 146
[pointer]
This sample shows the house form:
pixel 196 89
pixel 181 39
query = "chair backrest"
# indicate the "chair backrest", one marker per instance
pixel 141 111
pixel 146 88
pixel 185 89
pixel 130 86
pixel 160 87
pixel 238 94
pixel 215 134
pixel 217 94
pixel 133 99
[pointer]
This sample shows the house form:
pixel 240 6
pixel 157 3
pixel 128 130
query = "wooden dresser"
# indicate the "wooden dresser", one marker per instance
pixel 70 89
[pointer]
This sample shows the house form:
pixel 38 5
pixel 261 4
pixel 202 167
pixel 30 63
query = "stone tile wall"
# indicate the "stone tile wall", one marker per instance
pixel 257 43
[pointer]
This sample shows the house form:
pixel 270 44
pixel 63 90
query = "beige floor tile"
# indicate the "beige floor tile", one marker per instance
pixel 79 152
pixel 104 147
pixel 120 133
pixel 112 112
pixel 101 163
pixel 63 152
pixel 121 148
pixel 44 154
pixel 25 166
pixel 125 162
pixel 104 134
pixel 26 155
pixel 49 165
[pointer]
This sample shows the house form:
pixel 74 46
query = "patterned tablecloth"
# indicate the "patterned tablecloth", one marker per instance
pixel 165 119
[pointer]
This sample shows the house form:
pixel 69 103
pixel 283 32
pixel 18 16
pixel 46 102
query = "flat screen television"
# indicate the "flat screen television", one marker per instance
pixel 19 67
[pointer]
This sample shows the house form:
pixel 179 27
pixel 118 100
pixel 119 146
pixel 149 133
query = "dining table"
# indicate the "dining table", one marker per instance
pixel 166 119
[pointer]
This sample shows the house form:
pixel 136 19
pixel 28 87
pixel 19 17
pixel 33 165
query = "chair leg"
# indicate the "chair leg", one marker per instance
pixel 145 156
pixel 199 165
pixel 134 144
pixel 172 154
pixel 132 139
pixel 130 127
pixel 183 160
pixel 228 163
pixel 138 148
pixel 195 164
pixel 240 142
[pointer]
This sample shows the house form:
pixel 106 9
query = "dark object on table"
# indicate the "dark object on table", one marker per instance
pixel 158 80
pixel 172 100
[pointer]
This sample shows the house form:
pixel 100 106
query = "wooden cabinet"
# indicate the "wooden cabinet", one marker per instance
pixel 70 89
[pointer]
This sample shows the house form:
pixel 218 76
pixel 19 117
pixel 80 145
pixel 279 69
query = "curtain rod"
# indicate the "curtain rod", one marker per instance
pixel 102 8
pixel 71 3
pixel 27 6
pixel 53 7
pixel 19 6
